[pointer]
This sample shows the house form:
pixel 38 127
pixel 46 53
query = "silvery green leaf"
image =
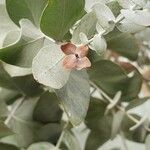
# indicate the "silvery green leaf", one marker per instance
pixel 6 25
pixel 99 44
pixel 29 51
pixel 147 6
pixel 75 96
pixel 71 141
pixel 15 71
pixel 139 17
pixel 30 9
pixel 127 4
pixel 90 3
pixel 2 2
pixel 116 123
pixel 29 30
pixel 147 142
pixel 128 26
pixel 87 26
pixel 11 38
pixel 22 123
pixel 83 38
pixel 105 16
pixel 20 47
pixel 25 111
pixel 140 3
pixel 99 29
pixel 47 67
pixel 143 35
pixel 42 146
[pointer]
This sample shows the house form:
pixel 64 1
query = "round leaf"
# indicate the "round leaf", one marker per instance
pixel 90 3
pixel 47 67
pixel 75 96
pixel 139 17
pixel 128 26
pixel 127 4
pixel 67 12
pixel 85 26
pixel 123 43
pixel 21 51
pixel 147 142
pixel 105 16
pixel 6 25
pixel 30 9
pixel 49 132
pixel 83 38
pixel 99 44
pixel 112 78
pixel 47 109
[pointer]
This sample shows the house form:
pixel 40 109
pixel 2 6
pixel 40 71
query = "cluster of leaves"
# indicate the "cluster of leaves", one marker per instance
pixel 37 92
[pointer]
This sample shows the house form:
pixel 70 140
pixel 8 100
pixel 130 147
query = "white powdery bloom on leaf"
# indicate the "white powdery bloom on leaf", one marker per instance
pixel 53 63
pixel 129 4
pixel 106 18
pixel 6 25
pixel 128 26
pixel 99 44
pixel 83 38
pixel 139 17
pixel 47 67
pixel 99 29
pixel 90 3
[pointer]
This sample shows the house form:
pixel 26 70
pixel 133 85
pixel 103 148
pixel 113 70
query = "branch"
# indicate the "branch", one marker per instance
pixel 18 104
pixel 118 106
pixel 61 136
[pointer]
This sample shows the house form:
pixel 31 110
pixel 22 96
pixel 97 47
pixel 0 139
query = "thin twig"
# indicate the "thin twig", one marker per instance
pixel 90 40
pixel 117 106
pixel 103 93
pixel 93 91
pixel 14 110
pixel 61 137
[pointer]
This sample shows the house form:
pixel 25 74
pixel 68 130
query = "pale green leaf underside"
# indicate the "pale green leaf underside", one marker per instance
pixel 21 46
pixel 48 68
pixel 6 25
pixel 75 96
pixel 87 26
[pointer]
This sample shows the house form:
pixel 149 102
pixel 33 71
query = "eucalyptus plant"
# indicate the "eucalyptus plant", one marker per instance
pixel 74 74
